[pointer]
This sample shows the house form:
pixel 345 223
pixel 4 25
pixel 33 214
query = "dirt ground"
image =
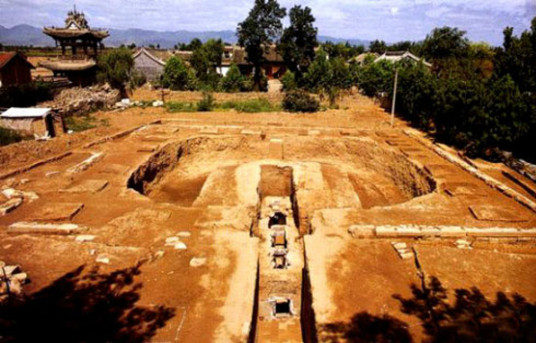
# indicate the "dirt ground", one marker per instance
pixel 172 209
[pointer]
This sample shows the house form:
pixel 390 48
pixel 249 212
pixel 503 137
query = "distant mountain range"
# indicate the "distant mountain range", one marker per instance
pixel 30 35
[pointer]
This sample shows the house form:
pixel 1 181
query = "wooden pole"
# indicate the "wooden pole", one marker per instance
pixel 394 99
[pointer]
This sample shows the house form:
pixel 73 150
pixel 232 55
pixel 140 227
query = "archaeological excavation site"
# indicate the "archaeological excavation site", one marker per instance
pixel 277 227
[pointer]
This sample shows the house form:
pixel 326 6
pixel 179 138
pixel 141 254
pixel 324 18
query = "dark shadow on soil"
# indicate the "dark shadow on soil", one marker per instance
pixel 83 306
pixel 364 327
pixel 469 317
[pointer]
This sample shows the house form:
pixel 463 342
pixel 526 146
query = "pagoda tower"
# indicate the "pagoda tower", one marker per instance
pixel 80 46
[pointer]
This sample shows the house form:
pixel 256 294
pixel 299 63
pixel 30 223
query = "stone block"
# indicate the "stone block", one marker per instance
pixel 385 231
pixel 362 231
pixel 87 186
pixel 452 231
pixel 209 131
pixel 496 213
pixel 275 149
pixel 56 212
pixel 492 232
pixel 43 228
pixel 9 206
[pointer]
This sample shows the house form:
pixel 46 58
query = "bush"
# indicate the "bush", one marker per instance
pixel 25 95
pixel 300 101
pixel 233 80
pixel 289 81
pixel 8 136
pixel 84 122
pixel 206 104
pixel 178 76
pixel 115 67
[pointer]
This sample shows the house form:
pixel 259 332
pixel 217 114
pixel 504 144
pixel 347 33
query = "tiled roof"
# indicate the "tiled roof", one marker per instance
pixel 5 57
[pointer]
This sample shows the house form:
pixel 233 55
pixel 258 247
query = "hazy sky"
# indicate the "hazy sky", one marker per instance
pixel 392 20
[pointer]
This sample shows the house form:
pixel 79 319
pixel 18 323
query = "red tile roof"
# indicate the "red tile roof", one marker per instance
pixel 5 57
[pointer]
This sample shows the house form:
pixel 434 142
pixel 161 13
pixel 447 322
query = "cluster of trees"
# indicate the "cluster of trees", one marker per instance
pixel 477 98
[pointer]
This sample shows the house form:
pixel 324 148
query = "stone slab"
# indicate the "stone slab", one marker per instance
pixel 154 138
pixel 56 212
pixel 9 206
pixel 463 188
pixel 209 131
pixel 44 228
pixel 147 148
pixel 275 149
pixel 496 213
pixel 87 186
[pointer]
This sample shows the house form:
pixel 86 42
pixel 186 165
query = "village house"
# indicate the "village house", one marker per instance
pixel 151 62
pixel 79 64
pixel 14 69
pixel 396 56
pixel 273 66
pixel 361 59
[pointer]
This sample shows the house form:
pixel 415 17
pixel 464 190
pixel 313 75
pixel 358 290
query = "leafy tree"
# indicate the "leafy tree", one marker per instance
pixel 378 46
pixel 258 31
pixel 328 76
pixel 445 42
pixel 299 40
pixel 289 81
pixel 178 76
pixel 214 49
pixel 193 45
pixel 115 67
pixel 344 50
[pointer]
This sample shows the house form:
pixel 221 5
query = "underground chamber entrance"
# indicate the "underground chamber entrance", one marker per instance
pixel 282 308
pixel 277 219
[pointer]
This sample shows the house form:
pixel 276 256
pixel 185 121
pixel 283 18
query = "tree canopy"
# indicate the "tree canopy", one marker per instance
pixel 258 31
pixel 299 40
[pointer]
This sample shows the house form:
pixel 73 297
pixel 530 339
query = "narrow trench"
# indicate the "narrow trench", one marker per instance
pixel 289 261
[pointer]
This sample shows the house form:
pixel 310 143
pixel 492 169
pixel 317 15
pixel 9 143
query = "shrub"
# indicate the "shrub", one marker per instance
pixel 114 67
pixel 300 101
pixel 289 81
pixel 8 136
pixel 233 80
pixel 206 104
pixel 25 95
pixel 178 76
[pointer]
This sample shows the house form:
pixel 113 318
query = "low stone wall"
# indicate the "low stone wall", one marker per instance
pixel 424 231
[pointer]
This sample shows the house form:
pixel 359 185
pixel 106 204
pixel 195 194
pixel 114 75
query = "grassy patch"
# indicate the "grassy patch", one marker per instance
pixel 250 106
pixel 83 123
pixel 207 104
pixel 176 106
pixel 8 136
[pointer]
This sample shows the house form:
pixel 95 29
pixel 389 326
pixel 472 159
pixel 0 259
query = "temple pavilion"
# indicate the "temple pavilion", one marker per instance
pixel 80 46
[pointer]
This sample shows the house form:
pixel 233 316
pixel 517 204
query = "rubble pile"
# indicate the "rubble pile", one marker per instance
pixel 11 281
pixel 78 101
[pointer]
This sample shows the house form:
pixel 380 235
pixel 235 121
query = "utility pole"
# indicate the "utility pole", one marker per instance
pixel 394 99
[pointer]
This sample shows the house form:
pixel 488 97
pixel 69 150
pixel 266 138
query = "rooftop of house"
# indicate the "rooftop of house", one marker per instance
pixel 396 56
pixel 6 57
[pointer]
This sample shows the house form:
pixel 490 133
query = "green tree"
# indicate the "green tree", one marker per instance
pixel 328 76
pixel 115 67
pixel 289 81
pixel 178 76
pixel 445 42
pixel 258 31
pixel 298 42
pixel 233 81
pixel 378 46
